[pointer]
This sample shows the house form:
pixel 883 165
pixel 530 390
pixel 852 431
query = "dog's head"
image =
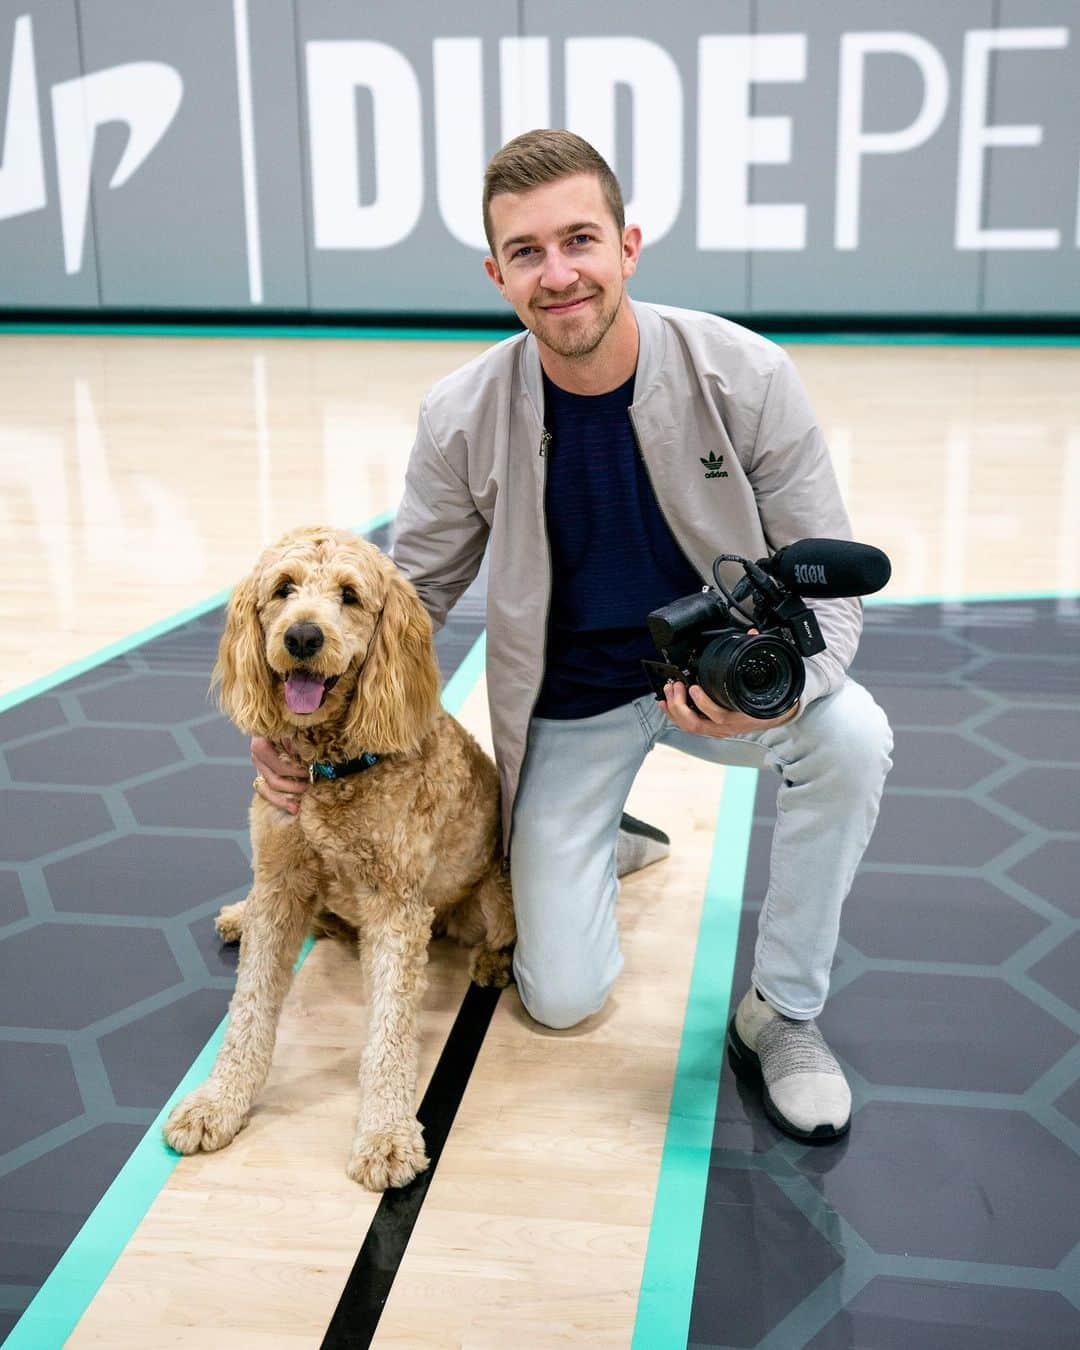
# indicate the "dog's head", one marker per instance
pixel 327 634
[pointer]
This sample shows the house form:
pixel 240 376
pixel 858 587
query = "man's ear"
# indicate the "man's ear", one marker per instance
pixel 631 250
pixel 491 267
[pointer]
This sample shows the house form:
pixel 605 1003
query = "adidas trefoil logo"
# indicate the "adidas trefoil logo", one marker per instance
pixel 714 466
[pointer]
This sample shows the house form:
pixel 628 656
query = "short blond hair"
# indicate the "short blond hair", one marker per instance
pixel 543 156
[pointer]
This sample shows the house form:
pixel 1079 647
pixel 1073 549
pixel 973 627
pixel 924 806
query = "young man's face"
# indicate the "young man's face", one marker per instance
pixel 561 261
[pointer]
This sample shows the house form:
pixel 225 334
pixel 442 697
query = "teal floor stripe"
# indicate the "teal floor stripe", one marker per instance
pixel 461 684
pixel 927 339
pixel 438 334
pixel 52 1315
pixel 56 1308
pixel 114 649
pixel 277 330
pixel 127 644
pixel 975 598
pixel 667 1286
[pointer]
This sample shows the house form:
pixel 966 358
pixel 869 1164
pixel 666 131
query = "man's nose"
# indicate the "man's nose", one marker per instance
pixel 558 273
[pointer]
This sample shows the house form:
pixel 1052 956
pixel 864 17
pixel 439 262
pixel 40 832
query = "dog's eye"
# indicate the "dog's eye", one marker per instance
pixel 284 590
pixel 349 596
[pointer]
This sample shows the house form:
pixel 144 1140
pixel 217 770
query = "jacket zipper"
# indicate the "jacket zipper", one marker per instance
pixel 545 444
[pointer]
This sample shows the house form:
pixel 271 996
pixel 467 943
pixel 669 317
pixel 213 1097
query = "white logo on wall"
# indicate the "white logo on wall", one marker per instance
pixel 144 95
pixel 731 139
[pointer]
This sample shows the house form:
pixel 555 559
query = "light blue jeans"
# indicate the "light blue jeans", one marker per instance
pixel 830 763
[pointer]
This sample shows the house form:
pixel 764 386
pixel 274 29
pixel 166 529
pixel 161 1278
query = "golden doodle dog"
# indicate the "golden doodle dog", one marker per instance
pixel 328 645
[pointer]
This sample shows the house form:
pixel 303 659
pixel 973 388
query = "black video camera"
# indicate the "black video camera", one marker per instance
pixel 703 638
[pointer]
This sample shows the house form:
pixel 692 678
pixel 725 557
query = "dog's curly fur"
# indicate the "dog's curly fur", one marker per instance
pixel 388 852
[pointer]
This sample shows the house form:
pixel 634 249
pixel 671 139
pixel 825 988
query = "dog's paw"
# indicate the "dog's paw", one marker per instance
pixel 203 1121
pixel 389 1156
pixel 230 922
pixel 491 969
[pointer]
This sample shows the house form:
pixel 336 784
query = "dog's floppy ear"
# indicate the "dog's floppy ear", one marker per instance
pixel 241 675
pixel 398 692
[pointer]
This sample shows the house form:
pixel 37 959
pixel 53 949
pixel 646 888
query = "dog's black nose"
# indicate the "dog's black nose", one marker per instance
pixel 303 640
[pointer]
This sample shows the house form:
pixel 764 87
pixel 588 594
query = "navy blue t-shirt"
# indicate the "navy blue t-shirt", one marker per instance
pixel 613 556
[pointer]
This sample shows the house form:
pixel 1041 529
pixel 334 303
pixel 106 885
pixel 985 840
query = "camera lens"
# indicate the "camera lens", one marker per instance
pixel 761 676
pixel 758 673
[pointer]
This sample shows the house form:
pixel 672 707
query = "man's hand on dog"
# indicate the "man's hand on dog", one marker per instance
pixel 284 778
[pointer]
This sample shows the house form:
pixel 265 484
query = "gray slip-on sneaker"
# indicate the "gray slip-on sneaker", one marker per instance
pixel 804 1090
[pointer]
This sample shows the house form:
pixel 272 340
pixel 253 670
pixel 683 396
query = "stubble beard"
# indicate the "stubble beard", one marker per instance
pixel 576 341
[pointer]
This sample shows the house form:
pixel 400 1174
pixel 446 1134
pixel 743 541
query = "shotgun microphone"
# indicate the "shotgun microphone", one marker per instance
pixel 827 569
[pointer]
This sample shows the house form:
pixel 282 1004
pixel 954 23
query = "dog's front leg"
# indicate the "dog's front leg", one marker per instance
pixel 388 1149
pixel 210 1117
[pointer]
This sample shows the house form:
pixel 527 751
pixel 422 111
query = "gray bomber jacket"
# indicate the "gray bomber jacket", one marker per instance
pixel 703 387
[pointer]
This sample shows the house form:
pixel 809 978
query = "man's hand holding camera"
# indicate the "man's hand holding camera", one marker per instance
pixel 736 679
pixel 703 717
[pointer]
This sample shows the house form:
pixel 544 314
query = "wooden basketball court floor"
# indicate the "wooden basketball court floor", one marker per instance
pixel 140 476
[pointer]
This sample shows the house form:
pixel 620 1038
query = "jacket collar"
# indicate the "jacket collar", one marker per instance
pixel 650 359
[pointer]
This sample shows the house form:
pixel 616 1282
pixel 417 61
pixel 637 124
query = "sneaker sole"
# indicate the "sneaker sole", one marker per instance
pixel 747 1066
pixel 631 825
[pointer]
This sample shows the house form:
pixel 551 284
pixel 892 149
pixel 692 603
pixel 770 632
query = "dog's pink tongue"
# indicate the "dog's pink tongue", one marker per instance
pixel 303 693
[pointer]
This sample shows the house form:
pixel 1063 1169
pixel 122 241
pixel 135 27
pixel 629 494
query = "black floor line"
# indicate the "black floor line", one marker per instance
pixel 363 1299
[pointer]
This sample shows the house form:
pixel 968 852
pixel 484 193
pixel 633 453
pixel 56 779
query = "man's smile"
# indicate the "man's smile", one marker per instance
pixel 568 306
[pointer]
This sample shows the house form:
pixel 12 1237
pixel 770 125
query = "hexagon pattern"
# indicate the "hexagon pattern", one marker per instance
pixel 45 1066
pixel 1053 871
pixel 946 1220
pixel 967 919
pixel 12 900
pixel 885 1021
pixel 949 1209
pixel 912 1314
pixel 91 756
pixel 88 975
pixel 145 874
pixel 750 1210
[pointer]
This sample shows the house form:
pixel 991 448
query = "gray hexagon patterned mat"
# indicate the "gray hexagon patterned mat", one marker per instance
pixel 947 1219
